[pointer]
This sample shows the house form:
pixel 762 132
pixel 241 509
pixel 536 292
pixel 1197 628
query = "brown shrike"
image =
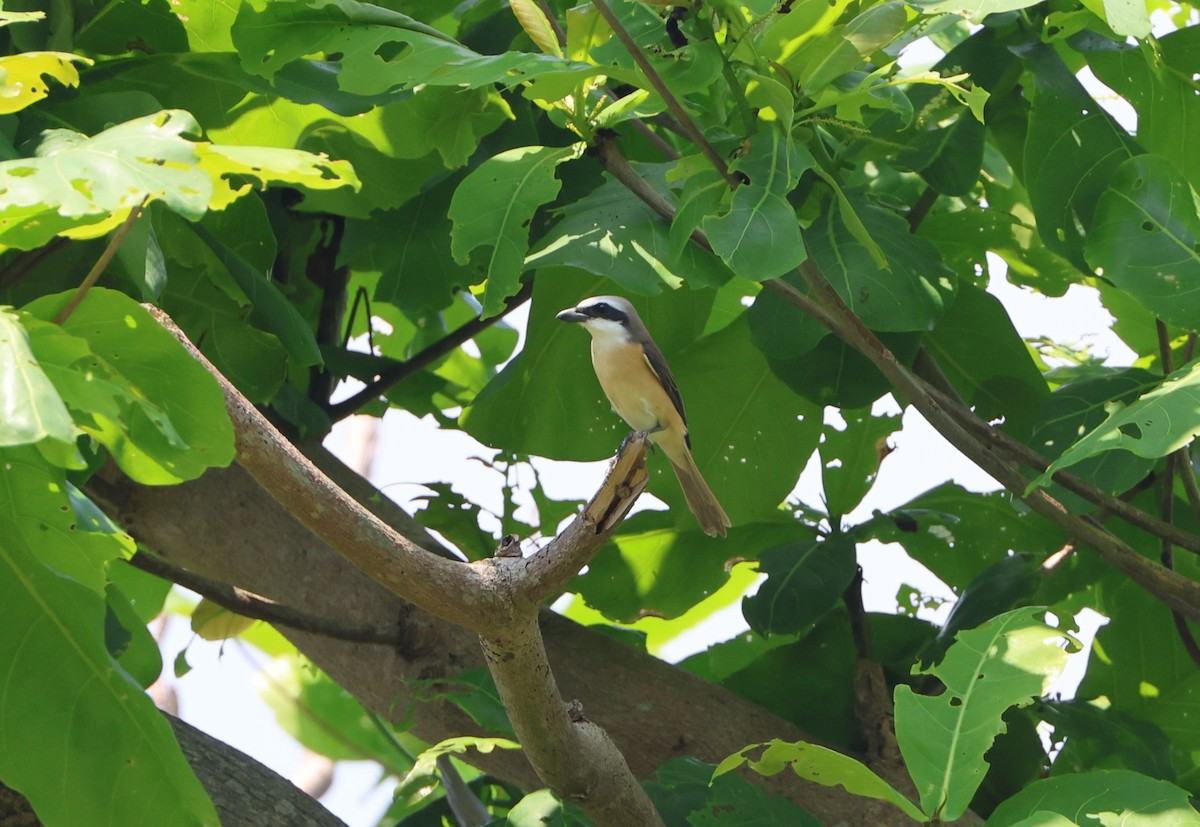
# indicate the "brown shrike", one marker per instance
pixel 635 378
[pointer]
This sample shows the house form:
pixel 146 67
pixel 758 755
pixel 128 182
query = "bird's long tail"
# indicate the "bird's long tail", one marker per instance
pixel 700 499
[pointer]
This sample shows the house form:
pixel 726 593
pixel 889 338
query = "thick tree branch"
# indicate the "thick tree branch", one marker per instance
pixel 653 711
pixel 246 604
pixel 397 372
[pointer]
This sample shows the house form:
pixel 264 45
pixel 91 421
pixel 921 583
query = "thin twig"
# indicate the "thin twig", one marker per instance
pixel 1167 498
pixel 691 130
pixel 28 261
pixel 921 209
pixel 93 275
pixel 397 372
pixel 247 604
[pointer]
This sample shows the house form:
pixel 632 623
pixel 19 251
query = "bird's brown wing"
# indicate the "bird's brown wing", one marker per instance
pixel 658 364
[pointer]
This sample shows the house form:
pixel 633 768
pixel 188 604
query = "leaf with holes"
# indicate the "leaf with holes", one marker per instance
pixel 822 766
pixel 1161 421
pixel 1007 662
pixel 493 207
pixel 1146 238
pixel 23 77
pixel 759 236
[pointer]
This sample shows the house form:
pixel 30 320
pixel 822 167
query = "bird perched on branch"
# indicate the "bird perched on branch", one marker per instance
pixel 635 378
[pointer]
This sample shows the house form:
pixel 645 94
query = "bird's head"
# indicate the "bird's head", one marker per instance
pixel 603 316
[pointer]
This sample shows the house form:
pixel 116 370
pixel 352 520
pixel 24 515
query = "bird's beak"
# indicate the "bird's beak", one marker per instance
pixel 572 315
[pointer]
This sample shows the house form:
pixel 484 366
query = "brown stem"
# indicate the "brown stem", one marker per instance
pixel 93 275
pixel 691 130
pixel 397 372
pixel 247 604
pixel 921 209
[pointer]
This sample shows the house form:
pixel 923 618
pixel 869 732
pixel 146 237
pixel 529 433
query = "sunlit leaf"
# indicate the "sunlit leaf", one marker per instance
pixel 22 77
pixel 1006 662
pixel 30 408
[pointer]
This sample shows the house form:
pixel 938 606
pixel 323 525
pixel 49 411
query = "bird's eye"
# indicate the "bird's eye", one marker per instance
pixel 601 307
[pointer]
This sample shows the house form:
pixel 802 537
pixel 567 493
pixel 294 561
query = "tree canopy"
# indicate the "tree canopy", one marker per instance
pixel 211 215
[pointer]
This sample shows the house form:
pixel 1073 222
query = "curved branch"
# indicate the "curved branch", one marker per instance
pixel 450 589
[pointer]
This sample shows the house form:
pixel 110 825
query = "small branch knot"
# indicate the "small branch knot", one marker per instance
pixel 575 712
pixel 510 546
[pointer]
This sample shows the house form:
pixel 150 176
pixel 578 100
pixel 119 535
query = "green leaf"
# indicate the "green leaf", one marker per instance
pixel 425 772
pixel 957 534
pixel 973 10
pixel 235 169
pixel 988 362
pixel 948 157
pixel 377 49
pixel 170 422
pixel 1158 84
pixel 850 458
pixel 533 21
pixel 821 765
pixel 494 206
pixel 1080 406
pixel 22 77
pixel 323 716
pixel 30 408
pixel 1071 151
pixel 85 725
pixel 1106 796
pixel 1146 238
pixel 1006 662
pixel 655 568
pixel 83 186
pixel 759 236
pixel 681 792
pixel 1161 421
pixel 804 581
pixel 911 293
pixel 475 693
pixel 611 232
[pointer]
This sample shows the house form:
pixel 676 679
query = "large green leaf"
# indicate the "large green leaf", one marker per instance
pixel 987 361
pixel 30 407
pixel 611 232
pixel 494 206
pixel 654 568
pixel 759 236
pixel 1158 83
pixel 1072 148
pixel 911 293
pixel 156 408
pixel 1101 798
pixel 804 581
pixel 1146 238
pixel 1161 421
pixel 377 49
pixel 1006 662
pixel 70 718
pixel 76 184
pixel 822 766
